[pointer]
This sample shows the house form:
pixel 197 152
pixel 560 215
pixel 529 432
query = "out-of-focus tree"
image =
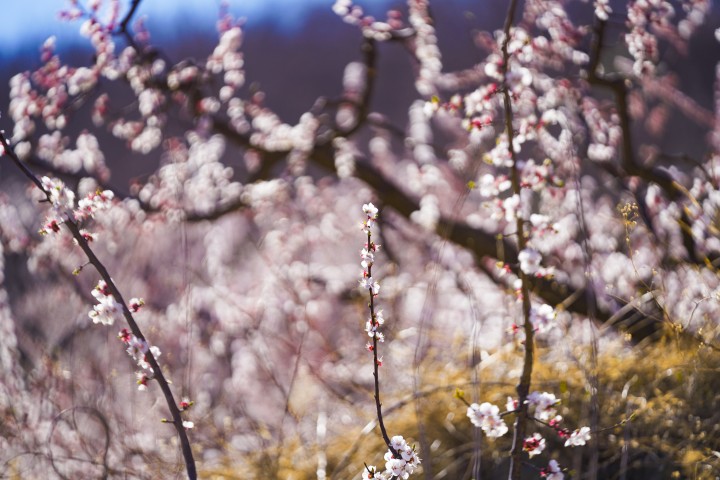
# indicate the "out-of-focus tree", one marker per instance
pixel 539 235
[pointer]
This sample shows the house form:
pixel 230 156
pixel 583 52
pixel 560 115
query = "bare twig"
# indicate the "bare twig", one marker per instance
pixel 106 429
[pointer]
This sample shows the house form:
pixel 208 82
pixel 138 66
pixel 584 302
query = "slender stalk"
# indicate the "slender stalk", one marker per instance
pixel 105 275
pixel 376 366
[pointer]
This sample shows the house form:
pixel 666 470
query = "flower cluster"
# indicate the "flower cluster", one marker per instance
pixel 61 198
pixel 138 349
pixel 544 404
pixel 368 252
pixel 400 466
pixel 228 60
pixel 372 327
pixel 543 317
pixel 367 255
pixel 370 27
pixel 642 44
pixel 542 407
pixel 107 309
pixel 63 203
pixel 530 261
pixel 92 203
pixel 602 9
pixel 487 416
pixel 371 212
pixel 426 49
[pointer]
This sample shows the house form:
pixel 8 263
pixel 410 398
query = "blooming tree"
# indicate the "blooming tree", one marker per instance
pixel 529 206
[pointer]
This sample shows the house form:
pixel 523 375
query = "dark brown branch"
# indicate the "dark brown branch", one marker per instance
pixel 376 363
pixel 129 15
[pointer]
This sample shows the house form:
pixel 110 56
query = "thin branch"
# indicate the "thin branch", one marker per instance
pixel 376 363
pixel 105 275
pixel 129 15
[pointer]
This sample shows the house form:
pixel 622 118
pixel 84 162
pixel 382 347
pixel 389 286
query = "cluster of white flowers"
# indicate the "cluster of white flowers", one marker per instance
pixel 372 326
pixel 487 416
pixel 367 282
pixel 604 129
pixel 426 49
pixel 563 36
pixel 401 466
pixel 272 134
pixel 371 212
pixel 61 198
pixel 45 94
pixel 345 152
pixel 228 59
pixel 371 28
pixel 543 317
pixel 63 203
pixel 53 148
pixel 183 76
pixel 429 213
pixel 544 404
pixel 194 179
pixel 107 309
pixel 644 16
pixel 94 202
pixel 530 262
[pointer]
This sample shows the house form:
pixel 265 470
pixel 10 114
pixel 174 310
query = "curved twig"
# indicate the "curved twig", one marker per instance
pixel 106 427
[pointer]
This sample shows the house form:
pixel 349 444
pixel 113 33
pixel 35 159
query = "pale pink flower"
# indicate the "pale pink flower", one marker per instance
pixel 534 445
pixel 487 417
pixel 578 437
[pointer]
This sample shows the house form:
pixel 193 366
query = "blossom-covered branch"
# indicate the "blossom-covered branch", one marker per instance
pixel 111 300
pixel 401 460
